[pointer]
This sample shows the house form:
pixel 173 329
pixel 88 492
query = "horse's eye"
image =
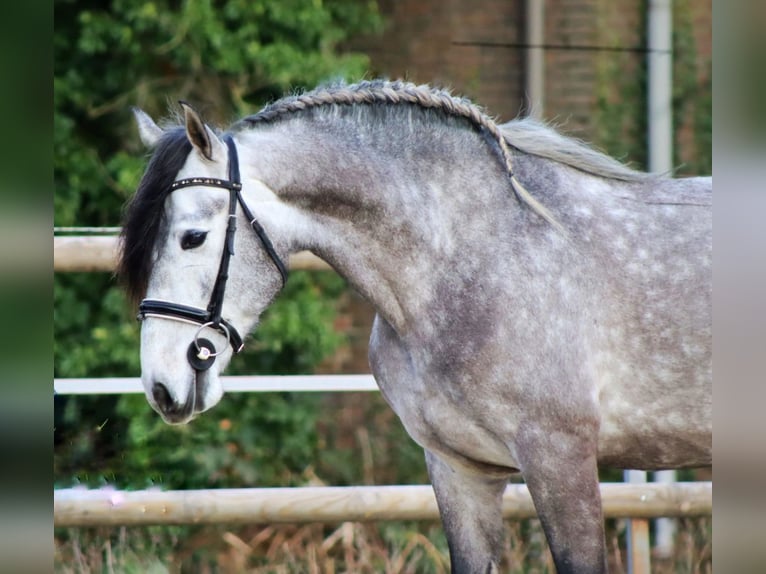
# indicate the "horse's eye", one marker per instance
pixel 193 238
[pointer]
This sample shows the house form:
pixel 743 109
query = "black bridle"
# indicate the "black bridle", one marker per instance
pixel 201 352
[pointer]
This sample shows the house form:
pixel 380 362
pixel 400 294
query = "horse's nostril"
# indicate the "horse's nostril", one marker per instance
pixel 162 397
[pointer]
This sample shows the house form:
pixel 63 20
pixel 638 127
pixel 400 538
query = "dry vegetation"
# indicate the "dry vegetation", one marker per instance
pixel 407 548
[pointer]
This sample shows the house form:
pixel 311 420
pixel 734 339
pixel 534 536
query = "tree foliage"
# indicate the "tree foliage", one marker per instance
pixel 229 58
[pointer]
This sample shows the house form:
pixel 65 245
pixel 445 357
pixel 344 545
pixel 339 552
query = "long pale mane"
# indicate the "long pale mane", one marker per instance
pixel 536 138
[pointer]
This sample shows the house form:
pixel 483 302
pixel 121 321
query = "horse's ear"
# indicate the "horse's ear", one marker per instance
pixel 200 136
pixel 149 132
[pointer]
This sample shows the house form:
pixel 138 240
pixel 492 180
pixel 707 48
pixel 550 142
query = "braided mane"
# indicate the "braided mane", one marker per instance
pixel 396 93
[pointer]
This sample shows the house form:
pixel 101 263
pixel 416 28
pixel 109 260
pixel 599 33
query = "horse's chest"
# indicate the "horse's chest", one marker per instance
pixel 434 410
pixel 441 424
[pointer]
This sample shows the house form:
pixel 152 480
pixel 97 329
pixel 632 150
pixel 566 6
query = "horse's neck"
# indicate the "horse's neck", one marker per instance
pixel 396 214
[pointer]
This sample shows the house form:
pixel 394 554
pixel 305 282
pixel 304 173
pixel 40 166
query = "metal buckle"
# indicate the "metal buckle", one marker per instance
pixel 221 328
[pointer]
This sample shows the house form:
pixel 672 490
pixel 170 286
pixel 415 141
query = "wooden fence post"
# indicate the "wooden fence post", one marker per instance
pixel 639 557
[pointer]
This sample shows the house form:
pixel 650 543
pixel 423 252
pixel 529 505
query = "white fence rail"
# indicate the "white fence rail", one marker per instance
pixel 231 384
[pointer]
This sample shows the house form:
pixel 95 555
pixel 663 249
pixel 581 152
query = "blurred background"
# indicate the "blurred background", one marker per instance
pixel 579 64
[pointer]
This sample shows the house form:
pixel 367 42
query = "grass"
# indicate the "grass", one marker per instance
pixel 392 547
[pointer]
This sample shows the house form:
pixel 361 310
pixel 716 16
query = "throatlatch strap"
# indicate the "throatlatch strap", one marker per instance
pixel 268 246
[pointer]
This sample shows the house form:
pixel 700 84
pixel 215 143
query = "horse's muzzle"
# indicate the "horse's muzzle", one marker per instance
pixel 172 411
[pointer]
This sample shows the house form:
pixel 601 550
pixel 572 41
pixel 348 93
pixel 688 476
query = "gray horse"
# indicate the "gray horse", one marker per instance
pixel 541 308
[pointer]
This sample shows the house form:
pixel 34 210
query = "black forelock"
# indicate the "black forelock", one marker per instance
pixel 143 214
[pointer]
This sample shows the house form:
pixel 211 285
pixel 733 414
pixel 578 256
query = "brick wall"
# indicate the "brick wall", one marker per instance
pixel 570 75
pixel 423 43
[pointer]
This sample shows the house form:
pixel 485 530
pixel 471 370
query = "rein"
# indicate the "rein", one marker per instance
pixel 201 353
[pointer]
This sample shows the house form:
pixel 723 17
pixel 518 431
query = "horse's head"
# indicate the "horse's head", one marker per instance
pixel 198 299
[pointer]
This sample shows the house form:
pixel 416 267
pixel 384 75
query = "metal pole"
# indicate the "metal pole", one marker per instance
pixel 660 67
pixel 660 110
pixel 535 58
pixel 664 528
